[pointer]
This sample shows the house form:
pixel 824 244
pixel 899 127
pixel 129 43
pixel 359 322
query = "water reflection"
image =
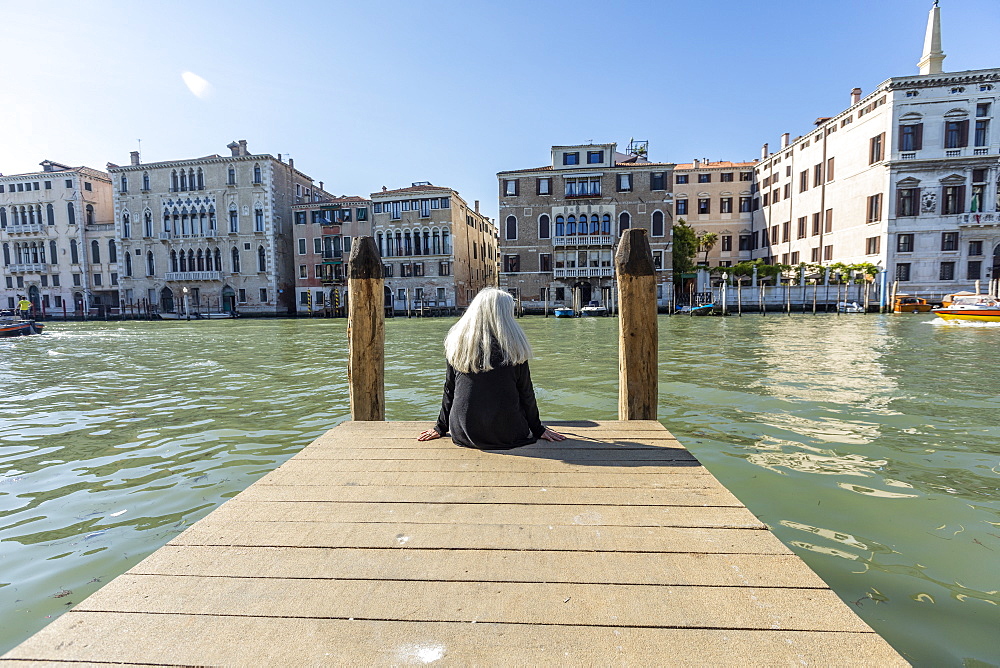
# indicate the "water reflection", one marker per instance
pixel 868 443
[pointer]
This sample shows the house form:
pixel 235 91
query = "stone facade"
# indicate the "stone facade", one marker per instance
pixel 323 232
pixel 905 178
pixel 214 233
pixel 559 224
pixel 437 251
pixel 58 239
pixel 717 197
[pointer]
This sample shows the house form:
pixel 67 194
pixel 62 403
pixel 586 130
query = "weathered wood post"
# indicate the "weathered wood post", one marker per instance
pixel 366 331
pixel 637 334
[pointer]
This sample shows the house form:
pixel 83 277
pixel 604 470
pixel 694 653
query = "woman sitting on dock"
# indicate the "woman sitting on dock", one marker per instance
pixel 489 402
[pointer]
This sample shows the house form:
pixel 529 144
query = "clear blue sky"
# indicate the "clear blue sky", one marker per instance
pixel 366 94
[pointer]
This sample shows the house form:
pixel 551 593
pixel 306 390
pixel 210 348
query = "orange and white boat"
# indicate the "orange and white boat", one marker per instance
pixel 970 307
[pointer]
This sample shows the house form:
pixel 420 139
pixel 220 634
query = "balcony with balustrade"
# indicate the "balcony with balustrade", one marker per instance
pixel 28 268
pixel 193 276
pixel 584 240
pixel 584 272
pixel 26 228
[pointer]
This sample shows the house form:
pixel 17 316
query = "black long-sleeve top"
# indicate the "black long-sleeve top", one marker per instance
pixel 490 410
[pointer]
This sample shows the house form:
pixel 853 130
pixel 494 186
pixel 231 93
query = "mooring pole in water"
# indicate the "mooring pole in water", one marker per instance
pixel 637 334
pixel 366 331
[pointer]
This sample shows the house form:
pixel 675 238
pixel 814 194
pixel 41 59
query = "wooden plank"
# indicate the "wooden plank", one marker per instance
pixel 482 537
pixel 693 496
pixel 713 570
pixel 305 473
pixel 501 465
pixel 200 640
pixel 527 514
pixel 488 602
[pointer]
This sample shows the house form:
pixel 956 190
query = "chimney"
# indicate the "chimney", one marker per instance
pixel 291 163
pixel 784 140
pixel 243 147
pixel 384 188
pixel 234 147
pixel 696 163
pixel 477 206
pixel 855 95
pixel 135 157
pixel 321 185
pixel 763 152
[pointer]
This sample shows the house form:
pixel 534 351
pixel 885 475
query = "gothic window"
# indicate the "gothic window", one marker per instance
pixel 261 259
pixel 112 251
pixel 236 260
pixel 95 252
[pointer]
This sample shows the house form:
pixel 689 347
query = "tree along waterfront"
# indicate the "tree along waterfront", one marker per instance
pixel 832 430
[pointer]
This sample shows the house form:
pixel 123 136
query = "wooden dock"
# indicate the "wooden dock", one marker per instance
pixel 368 547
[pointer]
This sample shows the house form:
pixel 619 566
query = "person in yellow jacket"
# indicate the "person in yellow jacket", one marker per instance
pixel 24 307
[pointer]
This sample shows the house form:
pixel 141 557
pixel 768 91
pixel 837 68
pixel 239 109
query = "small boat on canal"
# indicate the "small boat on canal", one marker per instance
pixel 593 309
pixel 850 307
pixel 982 308
pixel 12 325
pixel 565 312
pixel 910 304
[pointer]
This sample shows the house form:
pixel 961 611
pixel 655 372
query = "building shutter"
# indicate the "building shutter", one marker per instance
pixel 918 138
pixel 963 135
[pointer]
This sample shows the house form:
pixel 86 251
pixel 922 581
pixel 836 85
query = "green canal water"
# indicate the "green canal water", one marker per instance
pixel 870 444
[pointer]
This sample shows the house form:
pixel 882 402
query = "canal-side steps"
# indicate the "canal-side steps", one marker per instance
pixel 369 547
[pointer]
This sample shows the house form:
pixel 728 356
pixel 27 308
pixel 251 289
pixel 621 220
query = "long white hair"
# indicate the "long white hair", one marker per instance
pixel 488 321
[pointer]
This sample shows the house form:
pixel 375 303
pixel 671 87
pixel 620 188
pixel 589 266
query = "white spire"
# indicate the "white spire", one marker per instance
pixel 930 62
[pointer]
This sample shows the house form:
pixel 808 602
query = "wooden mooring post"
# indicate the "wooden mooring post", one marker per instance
pixel 366 331
pixel 637 337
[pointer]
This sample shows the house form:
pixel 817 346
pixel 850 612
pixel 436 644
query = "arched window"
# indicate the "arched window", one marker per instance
pixel 232 175
pixel 595 224
pixel 150 267
pixel 173 181
pixel 571 226
pixel 606 224
pixel 381 244
pixel 95 251
pixel 192 184
pixel 112 251
pixel 256 174
pixel 124 183
pixel 126 225
pixel 74 252
pixel 427 242
pixel 145 180
pixel 147 223
pixel 261 259
pixel 184 264
pixel 543 227
pixel 6 254
pixel 90 215
pixel 71 213
pixel 34 253
pixel 200 261
pixel 41 252
pixel 258 219
pixel 3 217
pixel 234 219
pixel 128 264
pixel 218 260
pixel 191 260
pixel 624 222
pixel 201 179
pixel 407 244
pixel 436 241
pixel 184 180
pixel 50 214
pixel 510 228
pixel 446 242
pixel 560 226
pixel 211 217
pixel 52 252
pixel 236 260
pixel 657 226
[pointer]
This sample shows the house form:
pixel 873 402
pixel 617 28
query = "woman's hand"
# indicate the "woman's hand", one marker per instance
pixel 550 435
pixel 428 435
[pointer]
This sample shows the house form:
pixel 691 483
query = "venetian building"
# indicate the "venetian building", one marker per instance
pixel 58 239
pixel 904 178
pixel 323 233
pixel 437 251
pixel 213 233
pixel 560 223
